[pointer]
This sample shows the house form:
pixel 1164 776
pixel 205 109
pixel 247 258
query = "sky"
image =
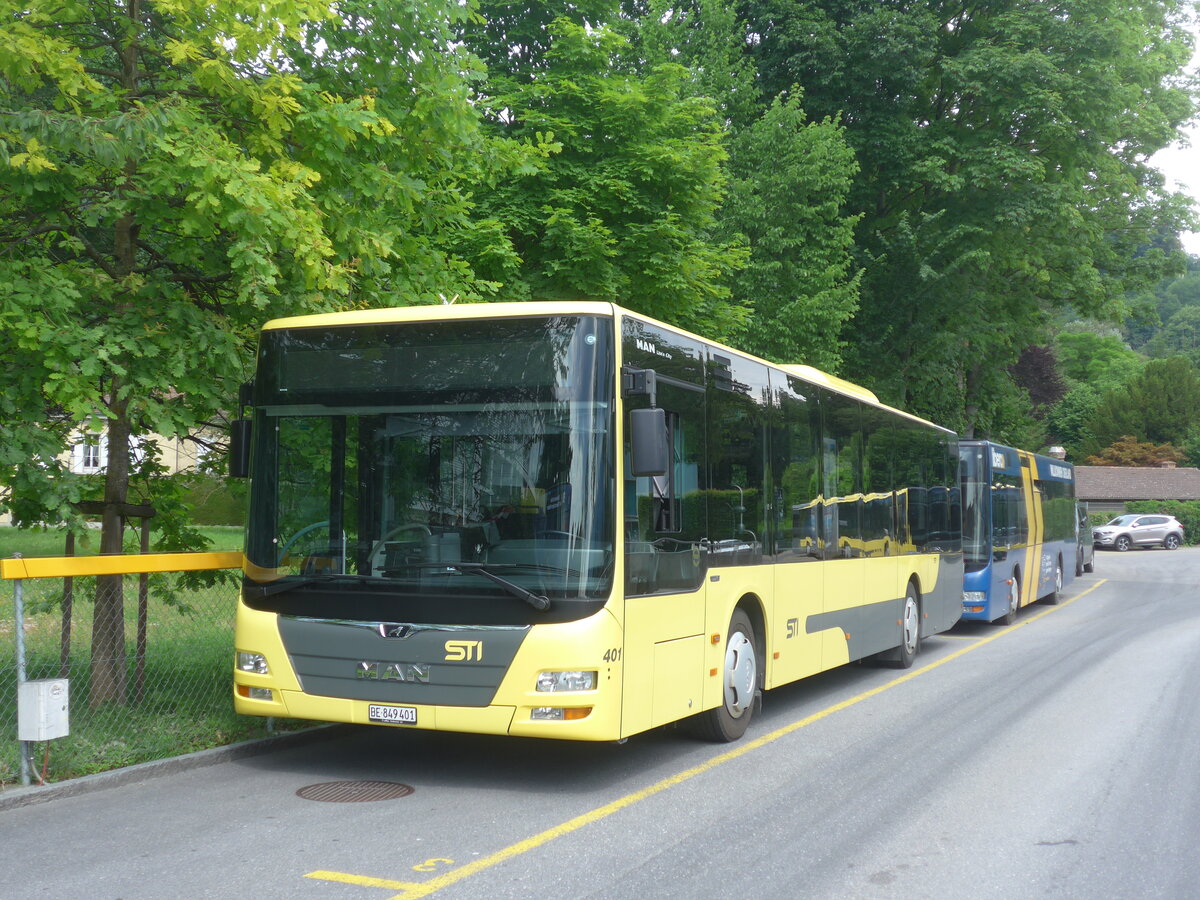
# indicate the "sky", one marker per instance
pixel 1181 165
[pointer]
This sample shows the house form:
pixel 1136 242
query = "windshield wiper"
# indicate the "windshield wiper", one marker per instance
pixel 289 583
pixel 537 601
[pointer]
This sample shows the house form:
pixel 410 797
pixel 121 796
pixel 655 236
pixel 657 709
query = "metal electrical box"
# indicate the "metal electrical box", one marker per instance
pixel 42 712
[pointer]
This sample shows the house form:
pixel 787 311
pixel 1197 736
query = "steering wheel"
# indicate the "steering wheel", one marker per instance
pixel 377 552
pixel 287 546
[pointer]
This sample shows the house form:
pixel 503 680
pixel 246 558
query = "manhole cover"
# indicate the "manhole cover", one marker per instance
pixel 354 791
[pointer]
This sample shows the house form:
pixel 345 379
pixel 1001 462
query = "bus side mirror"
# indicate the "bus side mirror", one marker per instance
pixel 649 452
pixel 239 448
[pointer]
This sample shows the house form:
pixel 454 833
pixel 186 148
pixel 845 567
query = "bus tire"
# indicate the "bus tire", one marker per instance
pixel 739 685
pixel 1051 599
pixel 1014 601
pixel 910 630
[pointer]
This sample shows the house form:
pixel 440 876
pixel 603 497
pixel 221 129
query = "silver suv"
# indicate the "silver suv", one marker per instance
pixel 1128 531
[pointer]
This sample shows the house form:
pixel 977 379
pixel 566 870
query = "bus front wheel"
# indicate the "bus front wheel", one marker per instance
pixel 910 630
pixel 1052 598
pixel 1014 602
pixel 740 684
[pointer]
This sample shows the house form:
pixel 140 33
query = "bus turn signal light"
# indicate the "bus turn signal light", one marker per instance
pixel 254 693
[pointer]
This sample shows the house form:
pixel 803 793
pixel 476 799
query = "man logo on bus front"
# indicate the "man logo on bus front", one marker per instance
pixel 394 630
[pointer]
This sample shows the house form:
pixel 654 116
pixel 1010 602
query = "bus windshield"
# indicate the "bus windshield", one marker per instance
pixel 976 507
pixel 449 465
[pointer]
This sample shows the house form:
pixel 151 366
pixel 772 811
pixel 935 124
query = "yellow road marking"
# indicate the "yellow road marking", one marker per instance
pixel 424 889
pixel 343 878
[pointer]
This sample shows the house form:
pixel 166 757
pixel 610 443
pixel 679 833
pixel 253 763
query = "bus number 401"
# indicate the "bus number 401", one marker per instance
pixel 613 655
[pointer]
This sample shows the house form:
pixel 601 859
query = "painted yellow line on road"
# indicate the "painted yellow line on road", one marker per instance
pixel 424 889
pixel 364 881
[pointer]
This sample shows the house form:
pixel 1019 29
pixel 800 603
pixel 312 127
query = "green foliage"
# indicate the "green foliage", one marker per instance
pixel 1002 150
pixel 1100 361
pixel 621 205
pixel 1150 310
pixel 799 282
pixel 709 38
pixel 1160 405
pixel 171 180
pixel 214 501
pixel 1179 336
pixel 1067 422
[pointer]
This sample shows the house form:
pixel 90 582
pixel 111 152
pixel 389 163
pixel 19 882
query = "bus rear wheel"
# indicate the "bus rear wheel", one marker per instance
pixel 740 685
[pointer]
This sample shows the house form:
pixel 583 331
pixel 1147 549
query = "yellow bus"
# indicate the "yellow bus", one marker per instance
pixel 567 520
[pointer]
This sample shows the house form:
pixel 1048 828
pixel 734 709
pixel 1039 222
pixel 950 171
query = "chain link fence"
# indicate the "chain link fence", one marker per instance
pixel 154 686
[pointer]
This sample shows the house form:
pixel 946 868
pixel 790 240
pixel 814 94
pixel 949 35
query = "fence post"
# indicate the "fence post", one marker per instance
pixel 19 625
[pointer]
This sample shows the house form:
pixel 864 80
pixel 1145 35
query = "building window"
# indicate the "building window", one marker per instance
pixel 89 456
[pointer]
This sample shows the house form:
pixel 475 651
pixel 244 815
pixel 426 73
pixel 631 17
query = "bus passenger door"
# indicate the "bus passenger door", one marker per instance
pixel 1035 567
pixel 666 559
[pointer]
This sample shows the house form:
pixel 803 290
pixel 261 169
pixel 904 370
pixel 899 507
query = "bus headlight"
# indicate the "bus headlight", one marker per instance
pixel 566 681
pixel 973 597
pixel 255 663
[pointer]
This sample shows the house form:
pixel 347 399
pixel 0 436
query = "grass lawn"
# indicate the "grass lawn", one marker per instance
pixel 185 703
pixel 52 542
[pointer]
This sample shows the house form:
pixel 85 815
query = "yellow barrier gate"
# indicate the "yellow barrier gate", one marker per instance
pixel 171 695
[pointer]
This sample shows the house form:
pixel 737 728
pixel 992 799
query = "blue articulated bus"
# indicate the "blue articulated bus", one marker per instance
pixel 1020 536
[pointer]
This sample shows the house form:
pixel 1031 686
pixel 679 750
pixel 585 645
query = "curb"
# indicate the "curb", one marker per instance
pixel 15 798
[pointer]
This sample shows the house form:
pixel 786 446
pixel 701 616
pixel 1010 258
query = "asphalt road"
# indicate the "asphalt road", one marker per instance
pixel 1055 758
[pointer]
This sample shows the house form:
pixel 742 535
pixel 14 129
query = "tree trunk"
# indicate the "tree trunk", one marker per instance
pixel 108 625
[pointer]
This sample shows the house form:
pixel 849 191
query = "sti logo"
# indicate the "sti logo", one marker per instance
pixel 464 651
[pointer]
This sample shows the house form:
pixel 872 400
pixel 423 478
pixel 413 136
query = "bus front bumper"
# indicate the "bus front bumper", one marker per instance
pixel 581 718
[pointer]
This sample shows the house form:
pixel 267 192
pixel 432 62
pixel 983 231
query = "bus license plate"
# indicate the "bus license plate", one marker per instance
pixel 392 715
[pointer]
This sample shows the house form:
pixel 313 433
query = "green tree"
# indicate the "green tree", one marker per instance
pixel 789 181
pixel 790 178
pixel 708 38
pixel 621 207
pixel 1161 405
pixel 1149 310
pixel 1101 361
pixel 172 174
pixel 1002 150
pixel 1068 422
pixel 1179 336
